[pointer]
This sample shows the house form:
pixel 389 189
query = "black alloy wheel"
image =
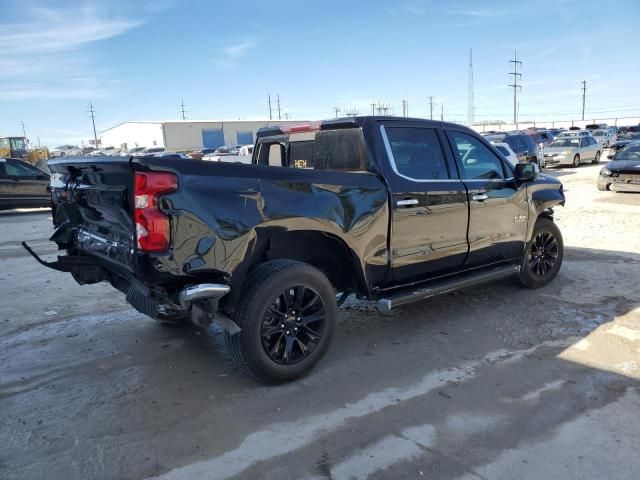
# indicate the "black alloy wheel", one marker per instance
pixel 543 254
pixel 293 325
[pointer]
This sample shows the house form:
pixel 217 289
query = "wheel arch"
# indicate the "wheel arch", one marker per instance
pixel 324 251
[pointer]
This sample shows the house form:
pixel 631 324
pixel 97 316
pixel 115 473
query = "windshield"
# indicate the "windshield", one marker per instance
pixel 629 153
pixel 600 133
pixel 566 142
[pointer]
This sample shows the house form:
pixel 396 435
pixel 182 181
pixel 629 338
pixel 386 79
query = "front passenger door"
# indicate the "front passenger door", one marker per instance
pixel 498 210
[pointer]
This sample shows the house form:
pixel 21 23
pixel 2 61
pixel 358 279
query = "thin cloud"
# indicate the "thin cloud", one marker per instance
pixel 45 53
pixel 237 49
pixel 229 55
pixel 57 30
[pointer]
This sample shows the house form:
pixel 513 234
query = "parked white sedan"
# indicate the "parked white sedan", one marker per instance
pixel 505 150
pixel 572 151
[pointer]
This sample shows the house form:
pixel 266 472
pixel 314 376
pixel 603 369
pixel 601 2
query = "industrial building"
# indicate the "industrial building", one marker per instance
pixel 178 135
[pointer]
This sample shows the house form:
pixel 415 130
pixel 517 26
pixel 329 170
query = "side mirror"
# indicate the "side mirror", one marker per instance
pixel 526 172
pixel 610 157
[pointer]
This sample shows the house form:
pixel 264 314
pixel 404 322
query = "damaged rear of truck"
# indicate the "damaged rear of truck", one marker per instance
pixel 180 238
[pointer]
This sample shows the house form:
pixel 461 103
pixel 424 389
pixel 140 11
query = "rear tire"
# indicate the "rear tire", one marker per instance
pixel 597 159
pixel 287 315
pixel 543 255
pixel 576 161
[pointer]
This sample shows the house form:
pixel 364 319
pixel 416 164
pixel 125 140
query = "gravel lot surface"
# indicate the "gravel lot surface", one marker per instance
pixel 494 382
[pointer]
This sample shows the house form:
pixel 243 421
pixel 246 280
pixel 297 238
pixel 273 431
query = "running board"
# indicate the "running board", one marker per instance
pixel 410 296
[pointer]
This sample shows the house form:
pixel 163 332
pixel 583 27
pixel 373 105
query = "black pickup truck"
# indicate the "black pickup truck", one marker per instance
pixel 390 209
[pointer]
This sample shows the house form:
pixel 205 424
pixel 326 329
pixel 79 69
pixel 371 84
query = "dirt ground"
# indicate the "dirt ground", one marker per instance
pixel 494 382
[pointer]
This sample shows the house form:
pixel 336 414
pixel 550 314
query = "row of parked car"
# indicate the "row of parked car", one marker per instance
pixel 555 146
pixel 242 152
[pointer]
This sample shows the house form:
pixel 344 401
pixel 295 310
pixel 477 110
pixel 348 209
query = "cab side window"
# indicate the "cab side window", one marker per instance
pixel 478 161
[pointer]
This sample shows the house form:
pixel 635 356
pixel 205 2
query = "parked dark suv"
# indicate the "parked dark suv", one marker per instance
pixel 522 144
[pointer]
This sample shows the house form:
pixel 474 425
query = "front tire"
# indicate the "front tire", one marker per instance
pixel 287 315
pixel 543 255
pixel 576 161
pixel 597 159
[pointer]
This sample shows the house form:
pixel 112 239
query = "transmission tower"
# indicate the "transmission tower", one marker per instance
pixel 470 105
pixel 182 110
pixel 515 85
pixel 278 100
pixel 352 113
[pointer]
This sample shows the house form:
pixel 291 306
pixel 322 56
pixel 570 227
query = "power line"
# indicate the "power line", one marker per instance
pixel 93 122
pixel 584 95
pixel 515 85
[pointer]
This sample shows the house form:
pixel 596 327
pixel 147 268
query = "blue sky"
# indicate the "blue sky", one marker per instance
pixel 135 60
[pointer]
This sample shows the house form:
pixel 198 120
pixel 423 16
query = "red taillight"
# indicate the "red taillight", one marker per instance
pixel 152 226
pixel 303 127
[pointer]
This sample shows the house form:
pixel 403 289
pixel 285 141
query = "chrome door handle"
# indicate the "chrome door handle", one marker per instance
pixel 479 197
pixel 406 202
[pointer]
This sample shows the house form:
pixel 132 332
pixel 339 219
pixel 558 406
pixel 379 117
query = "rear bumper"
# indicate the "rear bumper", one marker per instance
pixel 203 291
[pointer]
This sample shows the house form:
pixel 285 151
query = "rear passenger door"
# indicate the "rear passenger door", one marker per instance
pixel 498 208
pixel 429 202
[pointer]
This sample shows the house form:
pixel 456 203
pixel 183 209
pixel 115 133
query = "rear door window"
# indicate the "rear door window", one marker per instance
pixel 516 145
pixel 417 153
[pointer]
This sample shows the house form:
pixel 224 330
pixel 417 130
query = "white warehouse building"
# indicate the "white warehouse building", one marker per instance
pixel 178 135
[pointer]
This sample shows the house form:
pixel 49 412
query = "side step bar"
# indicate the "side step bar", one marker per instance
pixel 410 296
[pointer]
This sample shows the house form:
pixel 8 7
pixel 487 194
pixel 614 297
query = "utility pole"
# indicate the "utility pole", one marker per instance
pixel 515 85
pixel 373 108
pixel 93 122
pixel 24 130
pixel 270 114
pixel 278 100
pixel 431 108
pixel 405 108
pixel 470 105
pixel 442 112
pixel 584 95
pixel 182 109
pixel 352 113
pixel 337 110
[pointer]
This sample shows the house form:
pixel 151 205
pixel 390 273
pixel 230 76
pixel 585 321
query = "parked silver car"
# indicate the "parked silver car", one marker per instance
pixel 572 151
pixel 605 136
